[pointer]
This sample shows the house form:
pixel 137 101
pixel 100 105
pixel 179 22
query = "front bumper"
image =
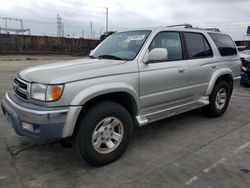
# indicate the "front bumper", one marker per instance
pixel 39 122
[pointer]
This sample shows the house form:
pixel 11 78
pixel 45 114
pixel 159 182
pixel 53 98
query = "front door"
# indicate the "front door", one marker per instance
pixel 164 83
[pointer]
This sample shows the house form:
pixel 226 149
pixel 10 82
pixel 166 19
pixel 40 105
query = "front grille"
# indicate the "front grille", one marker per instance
pixel 20 88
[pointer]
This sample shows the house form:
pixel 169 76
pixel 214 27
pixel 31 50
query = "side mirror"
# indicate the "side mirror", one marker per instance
pixel 156 55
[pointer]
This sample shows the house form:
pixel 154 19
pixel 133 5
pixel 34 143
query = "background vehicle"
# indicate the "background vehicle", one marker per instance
pixel 245 71
pixel 244 54
pixel 242 48
pixel 131 79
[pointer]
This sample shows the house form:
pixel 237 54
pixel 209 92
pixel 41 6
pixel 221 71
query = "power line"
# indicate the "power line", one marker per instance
pixel 66 8
pixel 231 22
pixel 46 9
pixel 8 29
pixel 22 5
pixel 77 3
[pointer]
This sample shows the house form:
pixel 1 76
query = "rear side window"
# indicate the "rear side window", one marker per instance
pixel 197 46
pixel 224 44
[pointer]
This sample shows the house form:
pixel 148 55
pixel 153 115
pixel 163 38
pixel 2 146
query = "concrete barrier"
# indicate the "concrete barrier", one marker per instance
pixel 24 44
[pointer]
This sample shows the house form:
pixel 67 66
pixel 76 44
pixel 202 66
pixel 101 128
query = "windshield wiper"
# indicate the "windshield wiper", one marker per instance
pixel 109 57
pixel 90 56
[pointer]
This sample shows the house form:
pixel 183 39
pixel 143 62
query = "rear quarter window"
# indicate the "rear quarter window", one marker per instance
pixel 224 44
pixel 197 46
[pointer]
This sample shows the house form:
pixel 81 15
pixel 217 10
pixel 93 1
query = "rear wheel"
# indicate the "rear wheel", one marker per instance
pixel 219 99
pixel 103 133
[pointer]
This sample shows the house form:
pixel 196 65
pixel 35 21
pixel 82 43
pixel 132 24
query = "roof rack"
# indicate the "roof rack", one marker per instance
pixel 189 26
pixel 179 25
pixel 213 29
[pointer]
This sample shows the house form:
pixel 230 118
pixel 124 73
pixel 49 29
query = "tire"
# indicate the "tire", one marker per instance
pixel 66 144
pixel 214 109
pixel 97 149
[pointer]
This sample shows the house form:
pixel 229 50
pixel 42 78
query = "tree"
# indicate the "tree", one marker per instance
pixel 106 34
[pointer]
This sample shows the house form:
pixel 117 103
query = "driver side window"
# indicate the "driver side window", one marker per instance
pixel 171 41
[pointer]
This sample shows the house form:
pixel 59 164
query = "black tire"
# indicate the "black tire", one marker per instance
pixel 211 110
pixel 66 143
pixel 82 139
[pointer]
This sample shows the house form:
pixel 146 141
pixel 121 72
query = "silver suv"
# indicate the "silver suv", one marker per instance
pixel 131 79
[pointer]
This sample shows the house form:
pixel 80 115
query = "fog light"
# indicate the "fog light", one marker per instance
pixel 27 126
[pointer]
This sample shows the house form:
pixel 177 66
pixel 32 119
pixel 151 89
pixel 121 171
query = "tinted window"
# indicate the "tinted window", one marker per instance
pixel 224 44
pixel 209 51
pixel 171 41
pixel 197 46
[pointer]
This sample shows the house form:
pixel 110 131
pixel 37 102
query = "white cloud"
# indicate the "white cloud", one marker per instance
pixel 229 15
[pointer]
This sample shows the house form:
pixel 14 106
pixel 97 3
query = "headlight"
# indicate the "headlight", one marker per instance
pixel 38 91
pixel 44 92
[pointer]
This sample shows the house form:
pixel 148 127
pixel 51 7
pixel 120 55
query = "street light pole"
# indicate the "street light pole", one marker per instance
pixel 107 15
pixel 101 31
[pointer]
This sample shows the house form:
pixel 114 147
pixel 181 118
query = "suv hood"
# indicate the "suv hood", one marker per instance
pixel 63 72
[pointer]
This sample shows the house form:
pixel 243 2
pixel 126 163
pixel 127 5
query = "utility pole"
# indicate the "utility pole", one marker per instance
pixel 21 23
pixel 107 20
pixel 82 33
pixel 62 29
pixel 6 24
pixel 101 31
pixel 91 29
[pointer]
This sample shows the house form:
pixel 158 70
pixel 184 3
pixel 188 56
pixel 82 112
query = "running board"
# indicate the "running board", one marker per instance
pixel 168 112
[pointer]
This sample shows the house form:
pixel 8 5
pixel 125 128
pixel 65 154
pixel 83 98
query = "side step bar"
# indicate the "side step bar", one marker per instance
pixel 159 114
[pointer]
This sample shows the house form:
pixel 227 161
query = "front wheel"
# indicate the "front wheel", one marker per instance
pixel 219 99
pixel 103 133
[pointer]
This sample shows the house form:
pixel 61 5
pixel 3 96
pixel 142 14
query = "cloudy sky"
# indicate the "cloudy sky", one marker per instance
pixel 231 16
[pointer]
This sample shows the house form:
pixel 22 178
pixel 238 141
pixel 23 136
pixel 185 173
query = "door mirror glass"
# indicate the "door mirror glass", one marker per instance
pixel 157 55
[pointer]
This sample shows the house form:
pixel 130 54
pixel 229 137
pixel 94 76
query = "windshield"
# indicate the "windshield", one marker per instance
pixel 121 46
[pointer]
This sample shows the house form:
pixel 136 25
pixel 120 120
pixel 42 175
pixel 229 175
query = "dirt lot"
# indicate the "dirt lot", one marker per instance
pixel 189 150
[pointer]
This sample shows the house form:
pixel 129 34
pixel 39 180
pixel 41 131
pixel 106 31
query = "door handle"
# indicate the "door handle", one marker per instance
pixel 182 70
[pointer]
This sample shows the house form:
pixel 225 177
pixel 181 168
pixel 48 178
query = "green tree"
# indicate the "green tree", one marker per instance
pixel 106 34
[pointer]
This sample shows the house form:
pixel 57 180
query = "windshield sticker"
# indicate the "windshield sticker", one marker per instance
pixel 136 37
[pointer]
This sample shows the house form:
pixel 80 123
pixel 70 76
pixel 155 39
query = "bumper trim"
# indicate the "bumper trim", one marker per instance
pixel 42 112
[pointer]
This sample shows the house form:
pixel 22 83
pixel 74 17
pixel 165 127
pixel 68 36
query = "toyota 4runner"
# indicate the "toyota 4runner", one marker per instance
pixel 131 79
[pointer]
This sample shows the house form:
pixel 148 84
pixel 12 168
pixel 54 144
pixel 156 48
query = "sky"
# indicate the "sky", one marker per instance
pixel 230 16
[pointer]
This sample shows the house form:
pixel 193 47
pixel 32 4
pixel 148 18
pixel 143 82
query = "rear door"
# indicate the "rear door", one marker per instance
pixel 200 61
